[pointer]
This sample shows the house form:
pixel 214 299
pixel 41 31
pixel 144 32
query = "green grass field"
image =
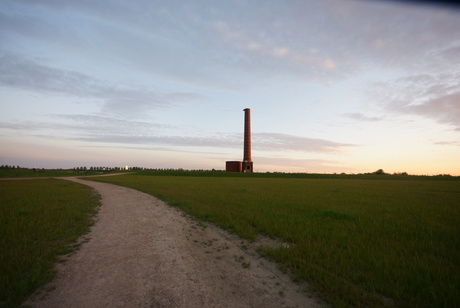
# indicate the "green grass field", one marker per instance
pixel 365 243
pixel 39 221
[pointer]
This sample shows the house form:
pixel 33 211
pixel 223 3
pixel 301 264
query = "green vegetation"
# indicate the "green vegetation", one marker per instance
pixel 23 172
pixel 39 220
pixel 358 242
pixel 377 175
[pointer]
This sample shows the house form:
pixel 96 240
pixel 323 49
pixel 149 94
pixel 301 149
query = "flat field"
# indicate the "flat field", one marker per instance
pixel 39 219
pixel 358 242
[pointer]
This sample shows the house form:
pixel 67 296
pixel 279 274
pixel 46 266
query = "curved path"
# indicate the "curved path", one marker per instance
pixel 144 253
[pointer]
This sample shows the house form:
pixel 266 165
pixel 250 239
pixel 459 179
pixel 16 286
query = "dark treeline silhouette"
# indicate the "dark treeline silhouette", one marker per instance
pixel 7 167
pixel 378 174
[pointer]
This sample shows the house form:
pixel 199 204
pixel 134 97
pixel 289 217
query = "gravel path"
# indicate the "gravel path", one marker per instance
pixel 144 253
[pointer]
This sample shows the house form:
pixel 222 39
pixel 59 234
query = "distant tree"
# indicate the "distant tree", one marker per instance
pixel 379 172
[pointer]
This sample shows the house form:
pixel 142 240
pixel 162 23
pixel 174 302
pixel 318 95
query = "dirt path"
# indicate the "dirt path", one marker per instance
pixel 144 253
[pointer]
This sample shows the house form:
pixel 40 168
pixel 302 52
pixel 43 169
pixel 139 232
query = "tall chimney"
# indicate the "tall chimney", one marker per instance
pixel 247 158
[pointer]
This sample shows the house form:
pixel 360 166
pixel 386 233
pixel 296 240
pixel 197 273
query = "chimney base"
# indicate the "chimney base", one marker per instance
pixel 247 166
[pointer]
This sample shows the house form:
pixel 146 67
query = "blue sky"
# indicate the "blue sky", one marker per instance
pixel 333 86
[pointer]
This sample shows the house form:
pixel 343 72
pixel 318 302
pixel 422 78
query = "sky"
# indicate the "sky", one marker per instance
pixel 333 86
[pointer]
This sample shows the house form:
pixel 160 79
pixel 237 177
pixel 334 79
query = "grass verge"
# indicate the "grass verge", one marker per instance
pixel 360 243
pixel 39 219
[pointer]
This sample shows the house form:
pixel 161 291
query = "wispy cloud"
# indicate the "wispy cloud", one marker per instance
pixel 108 124
pixel 434 96
pixel 106 130
pixel 149 140
pixel 31 27
pixel 64 126
pixel 284 142
pixel 318 40
pixel 271 53
pixel 131 65
pixel 449 143
pixel 361 117
pixel 261 141
pixel 444 109
pixel 19 72
pixel 406 35
pixel 26 74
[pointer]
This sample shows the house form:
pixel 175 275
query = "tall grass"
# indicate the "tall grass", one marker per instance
pixel 39 219
pixel 358 242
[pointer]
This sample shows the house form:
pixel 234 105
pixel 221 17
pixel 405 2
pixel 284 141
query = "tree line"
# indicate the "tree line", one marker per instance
pixel 8 167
